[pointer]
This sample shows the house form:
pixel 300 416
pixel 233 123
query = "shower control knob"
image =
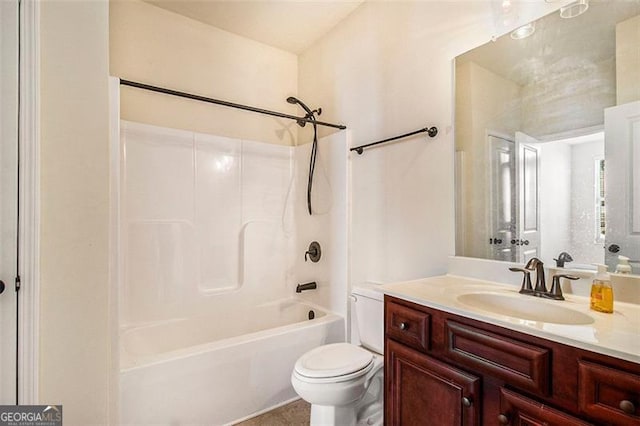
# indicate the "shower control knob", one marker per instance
pixel 403 326
pixel 314 253
pixel 2 286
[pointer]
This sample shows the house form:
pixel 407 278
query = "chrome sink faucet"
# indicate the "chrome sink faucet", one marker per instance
pixel 540 289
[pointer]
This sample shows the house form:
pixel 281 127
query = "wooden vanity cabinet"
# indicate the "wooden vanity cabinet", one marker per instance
pixel 443 369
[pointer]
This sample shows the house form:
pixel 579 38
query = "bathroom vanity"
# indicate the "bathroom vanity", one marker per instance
pixel 453 359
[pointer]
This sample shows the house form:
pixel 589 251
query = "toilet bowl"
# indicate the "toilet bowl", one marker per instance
pixel 343 382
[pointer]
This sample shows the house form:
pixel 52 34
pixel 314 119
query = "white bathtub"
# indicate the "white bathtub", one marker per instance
pixel 220 368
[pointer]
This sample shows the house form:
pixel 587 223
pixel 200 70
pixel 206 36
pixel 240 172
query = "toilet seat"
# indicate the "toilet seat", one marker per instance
pixel 336 362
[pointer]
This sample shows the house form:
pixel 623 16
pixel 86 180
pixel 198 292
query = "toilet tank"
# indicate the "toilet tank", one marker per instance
pixel 367 311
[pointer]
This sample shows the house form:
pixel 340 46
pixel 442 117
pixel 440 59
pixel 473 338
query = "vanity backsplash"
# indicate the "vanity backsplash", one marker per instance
pixel 626 288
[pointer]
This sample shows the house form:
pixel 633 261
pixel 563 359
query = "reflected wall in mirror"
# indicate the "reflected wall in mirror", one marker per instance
pixel 548 141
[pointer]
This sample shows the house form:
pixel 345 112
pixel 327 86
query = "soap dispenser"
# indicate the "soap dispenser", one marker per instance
pixel 623 265
pixel 601 291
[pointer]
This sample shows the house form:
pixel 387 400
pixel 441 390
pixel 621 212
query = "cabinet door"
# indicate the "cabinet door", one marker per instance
pixel 517 410
pixel 423 391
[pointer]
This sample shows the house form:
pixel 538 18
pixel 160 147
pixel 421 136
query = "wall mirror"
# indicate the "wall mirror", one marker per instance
pixel 547 139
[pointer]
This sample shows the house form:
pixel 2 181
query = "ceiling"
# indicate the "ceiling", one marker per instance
pixel 291 25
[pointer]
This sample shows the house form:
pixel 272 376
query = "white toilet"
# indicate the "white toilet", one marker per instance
pixel 343 382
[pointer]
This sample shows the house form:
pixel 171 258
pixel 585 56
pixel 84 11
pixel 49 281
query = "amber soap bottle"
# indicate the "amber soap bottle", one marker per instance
pixel 601 291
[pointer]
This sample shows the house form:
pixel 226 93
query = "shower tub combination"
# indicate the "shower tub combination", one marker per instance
pixel 218 369
pixel 209 326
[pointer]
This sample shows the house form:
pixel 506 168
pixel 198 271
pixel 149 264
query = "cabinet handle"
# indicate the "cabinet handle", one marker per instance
pixel 503 420
pixel 466 402
pixel 404 326
pixel 627 406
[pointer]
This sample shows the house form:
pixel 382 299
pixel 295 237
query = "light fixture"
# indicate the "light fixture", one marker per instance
pixel 574 9
pixel 523 31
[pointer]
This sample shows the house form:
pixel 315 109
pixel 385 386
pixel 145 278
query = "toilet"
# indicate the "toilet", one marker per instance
pixel 343 382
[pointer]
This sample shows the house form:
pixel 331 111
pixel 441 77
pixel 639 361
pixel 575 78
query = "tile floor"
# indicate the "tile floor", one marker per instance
pixel 293 414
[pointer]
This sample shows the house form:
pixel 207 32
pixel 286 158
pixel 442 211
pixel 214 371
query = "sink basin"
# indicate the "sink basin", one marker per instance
pixel 525 307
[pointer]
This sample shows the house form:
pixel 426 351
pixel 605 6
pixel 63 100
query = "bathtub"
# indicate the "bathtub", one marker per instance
pixel 220 368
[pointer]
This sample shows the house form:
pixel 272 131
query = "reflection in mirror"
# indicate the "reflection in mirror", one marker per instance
pixel 539 170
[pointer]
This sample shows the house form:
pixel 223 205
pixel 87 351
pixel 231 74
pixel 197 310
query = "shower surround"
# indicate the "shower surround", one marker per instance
pixel 212 233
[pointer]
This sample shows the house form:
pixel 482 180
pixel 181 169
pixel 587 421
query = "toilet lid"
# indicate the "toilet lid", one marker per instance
pixel 336 359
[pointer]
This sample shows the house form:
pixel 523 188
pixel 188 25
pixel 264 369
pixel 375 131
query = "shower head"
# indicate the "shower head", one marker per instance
pixel 310 113
pixel 294 101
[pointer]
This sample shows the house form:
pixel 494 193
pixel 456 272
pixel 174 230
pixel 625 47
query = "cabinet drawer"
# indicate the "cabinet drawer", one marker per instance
pixel 516 409
pixel 407 325
pixel 519 364
pixel 608 394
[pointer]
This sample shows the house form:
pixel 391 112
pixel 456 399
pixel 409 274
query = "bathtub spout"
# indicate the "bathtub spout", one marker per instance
pixel 308 286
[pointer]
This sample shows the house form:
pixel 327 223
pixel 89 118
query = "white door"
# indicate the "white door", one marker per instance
pixel 503 191
pixel 622 183
pixel 527 239
pixel 8 196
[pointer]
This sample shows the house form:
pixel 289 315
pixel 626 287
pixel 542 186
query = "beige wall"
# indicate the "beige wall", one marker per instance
pixel 74 334
pixel 385 70
pixel 628 60
pixel 154 46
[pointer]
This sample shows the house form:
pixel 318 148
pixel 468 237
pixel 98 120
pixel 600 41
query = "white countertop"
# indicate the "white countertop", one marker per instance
pixel 616 334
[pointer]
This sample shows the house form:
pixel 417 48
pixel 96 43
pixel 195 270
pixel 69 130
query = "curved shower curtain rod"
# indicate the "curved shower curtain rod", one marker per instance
pixel 227 104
